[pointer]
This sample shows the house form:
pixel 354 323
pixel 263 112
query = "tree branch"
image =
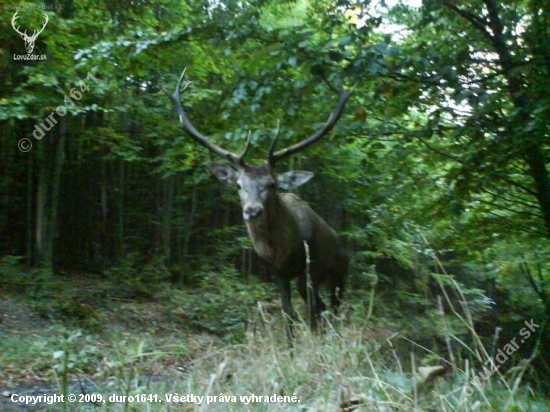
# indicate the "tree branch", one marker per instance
pixel 479 24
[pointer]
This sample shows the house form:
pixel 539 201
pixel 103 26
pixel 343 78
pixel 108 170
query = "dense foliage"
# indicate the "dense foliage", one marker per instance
pixel 441 156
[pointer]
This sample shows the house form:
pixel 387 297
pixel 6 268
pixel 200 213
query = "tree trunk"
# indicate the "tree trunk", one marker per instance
pixel 166 218
pixel 29 239
pixel 531 147
pixel 532 150
pixel 188 232
pixel 119 226
pixel 49 177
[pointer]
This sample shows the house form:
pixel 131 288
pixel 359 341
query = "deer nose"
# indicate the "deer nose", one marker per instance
pixel 251 212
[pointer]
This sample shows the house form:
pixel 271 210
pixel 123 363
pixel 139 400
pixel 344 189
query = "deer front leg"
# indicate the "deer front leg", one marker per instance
pixel 284 291
pixel 310 294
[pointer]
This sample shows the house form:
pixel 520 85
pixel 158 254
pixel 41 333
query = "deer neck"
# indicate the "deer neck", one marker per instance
pixel 273 232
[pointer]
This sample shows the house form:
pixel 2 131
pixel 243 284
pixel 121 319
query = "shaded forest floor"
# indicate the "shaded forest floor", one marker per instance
pixel 86 336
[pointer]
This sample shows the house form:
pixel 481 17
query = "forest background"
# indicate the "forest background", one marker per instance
pixel 436 176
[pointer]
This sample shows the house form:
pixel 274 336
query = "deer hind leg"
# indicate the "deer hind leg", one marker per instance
pixel 336 286
pixel 336 294
pixel 310 295
pixel 336 289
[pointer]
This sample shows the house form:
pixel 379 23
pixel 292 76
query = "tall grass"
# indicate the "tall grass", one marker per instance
pixel 357 361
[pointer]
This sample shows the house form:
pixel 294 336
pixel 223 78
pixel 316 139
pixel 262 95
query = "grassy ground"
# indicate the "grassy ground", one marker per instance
pixel 169 350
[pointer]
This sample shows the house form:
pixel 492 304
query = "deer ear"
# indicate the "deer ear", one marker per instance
pixel 224 173
pixel 294 179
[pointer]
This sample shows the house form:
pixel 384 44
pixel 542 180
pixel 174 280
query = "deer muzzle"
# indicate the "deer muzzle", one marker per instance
pixel 252 211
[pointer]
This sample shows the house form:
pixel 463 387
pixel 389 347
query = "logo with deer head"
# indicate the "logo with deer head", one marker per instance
pixel 29 40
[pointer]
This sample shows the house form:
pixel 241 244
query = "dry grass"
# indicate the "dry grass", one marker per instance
pixel 342 368
pixel 356 362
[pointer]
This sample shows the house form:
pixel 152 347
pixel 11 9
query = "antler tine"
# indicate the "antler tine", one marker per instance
pixel 270 158
pixel 245 151
pixel 13 19
pixel 343 97
pixel 193 132
pixel 44 25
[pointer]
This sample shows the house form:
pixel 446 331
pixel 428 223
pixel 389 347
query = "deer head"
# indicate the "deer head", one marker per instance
pixel 29 40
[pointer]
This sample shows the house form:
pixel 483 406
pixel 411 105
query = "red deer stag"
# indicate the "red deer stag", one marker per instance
pixel 280 224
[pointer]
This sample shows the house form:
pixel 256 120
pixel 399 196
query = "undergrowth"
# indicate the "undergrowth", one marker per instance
pixel 224 341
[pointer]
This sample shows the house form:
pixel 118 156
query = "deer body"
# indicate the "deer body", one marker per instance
pixel 279 239
pixel 280 224
pixel 328 265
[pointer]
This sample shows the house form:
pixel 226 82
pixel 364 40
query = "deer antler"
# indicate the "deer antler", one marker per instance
pixel 343 97
pixel 195 134
pixel 13 19
pixel 273 157
pixel 35 34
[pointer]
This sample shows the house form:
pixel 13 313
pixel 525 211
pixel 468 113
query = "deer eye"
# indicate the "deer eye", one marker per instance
pixel 269 186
